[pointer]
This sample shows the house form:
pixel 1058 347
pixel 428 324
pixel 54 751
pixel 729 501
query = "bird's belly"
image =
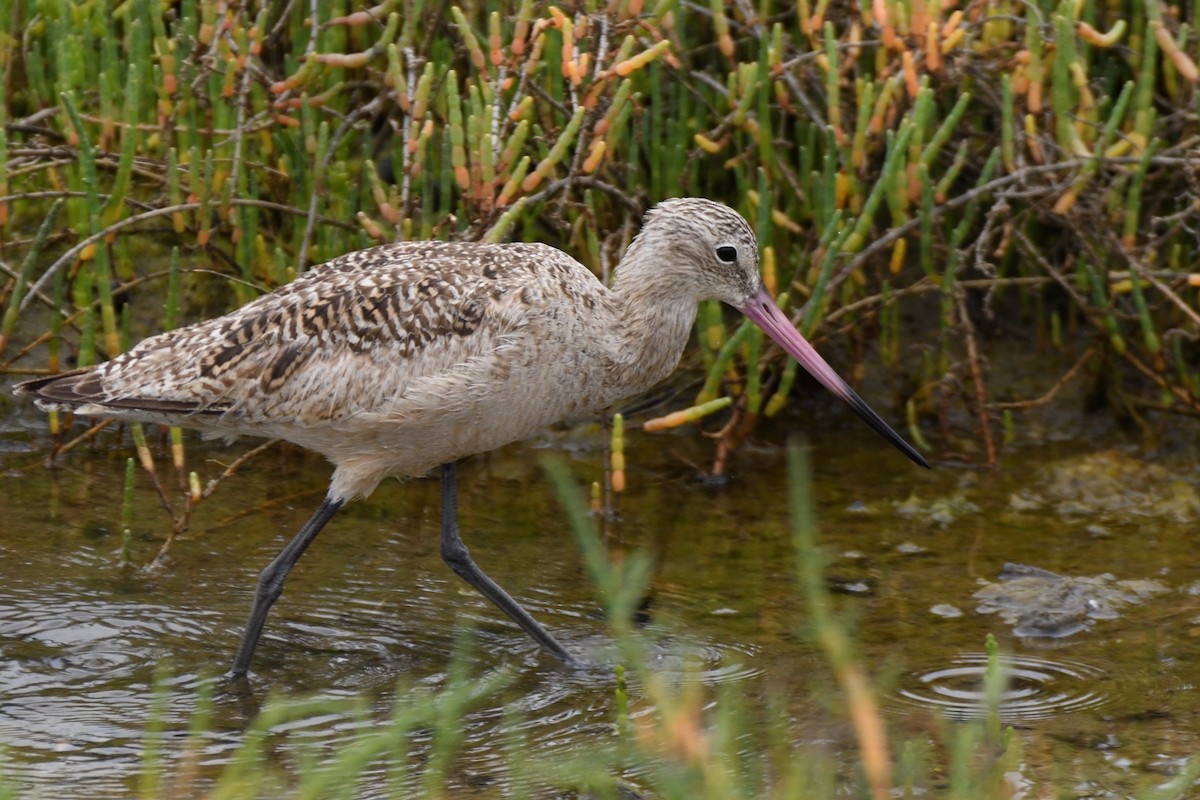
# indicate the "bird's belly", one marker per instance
pixel 453 416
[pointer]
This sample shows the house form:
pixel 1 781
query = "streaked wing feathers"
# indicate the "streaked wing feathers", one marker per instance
pixel 418 307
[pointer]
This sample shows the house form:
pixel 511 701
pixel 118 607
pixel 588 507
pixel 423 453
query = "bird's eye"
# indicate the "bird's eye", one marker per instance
pixel 727 253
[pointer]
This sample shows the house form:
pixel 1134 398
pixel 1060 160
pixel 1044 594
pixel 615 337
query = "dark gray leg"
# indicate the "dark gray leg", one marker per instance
pixel 455 554
pixel 270 584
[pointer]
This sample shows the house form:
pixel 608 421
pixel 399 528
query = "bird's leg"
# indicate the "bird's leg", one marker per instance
pixel 270 583
pixel 455 554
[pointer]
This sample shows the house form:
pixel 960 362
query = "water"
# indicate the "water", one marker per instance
pixel 1037 688
pixel 83 639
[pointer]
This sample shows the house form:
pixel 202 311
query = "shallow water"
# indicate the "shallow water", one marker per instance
pixel 1105 710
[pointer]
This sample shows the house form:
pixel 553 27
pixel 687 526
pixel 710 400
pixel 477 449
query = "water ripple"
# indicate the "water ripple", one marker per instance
pixel 1036 688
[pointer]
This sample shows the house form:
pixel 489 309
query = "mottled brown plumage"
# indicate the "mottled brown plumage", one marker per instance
pixel 400 358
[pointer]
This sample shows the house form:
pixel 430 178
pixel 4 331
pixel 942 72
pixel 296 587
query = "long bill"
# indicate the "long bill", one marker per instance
pixel 762 311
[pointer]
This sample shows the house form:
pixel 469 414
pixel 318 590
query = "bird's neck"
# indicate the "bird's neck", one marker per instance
pixel 656 320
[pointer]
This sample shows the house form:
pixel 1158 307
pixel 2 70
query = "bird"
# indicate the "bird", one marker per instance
pixel 411 356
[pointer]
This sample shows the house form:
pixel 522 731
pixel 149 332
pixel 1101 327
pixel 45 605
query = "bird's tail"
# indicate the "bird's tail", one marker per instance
pixel 64 391
pixel 82 391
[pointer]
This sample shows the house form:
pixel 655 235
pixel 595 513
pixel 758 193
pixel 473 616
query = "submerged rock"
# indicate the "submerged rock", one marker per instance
pixel 1113 484
pixel 1037 602
pixel 943 511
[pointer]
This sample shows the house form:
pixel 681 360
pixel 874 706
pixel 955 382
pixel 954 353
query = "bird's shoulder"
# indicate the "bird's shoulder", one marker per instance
pixel 414 269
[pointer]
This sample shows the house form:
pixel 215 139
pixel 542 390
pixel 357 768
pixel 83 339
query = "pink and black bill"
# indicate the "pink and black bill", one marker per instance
pixel 762 311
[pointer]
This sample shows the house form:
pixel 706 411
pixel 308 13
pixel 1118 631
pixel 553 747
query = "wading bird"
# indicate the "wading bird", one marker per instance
pixel 410 356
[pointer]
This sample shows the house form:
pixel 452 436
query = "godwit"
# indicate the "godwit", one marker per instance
pixel 413 355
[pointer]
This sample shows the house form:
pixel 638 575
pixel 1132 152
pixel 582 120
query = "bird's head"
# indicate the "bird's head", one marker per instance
pixel 709 251
pixel 709 244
